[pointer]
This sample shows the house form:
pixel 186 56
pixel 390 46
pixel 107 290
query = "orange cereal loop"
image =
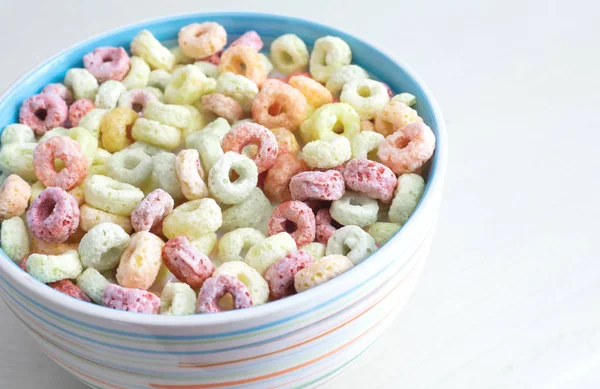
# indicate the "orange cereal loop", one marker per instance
pixel 222 106
pixel 200 40
pixel 277 182
pixel 14 195
pixel 39 246
pixel 279 105
pixel 286 140
pixel 315 93
pixel 251 133
pixel 115 128
pixel 245 61
pixel 393 116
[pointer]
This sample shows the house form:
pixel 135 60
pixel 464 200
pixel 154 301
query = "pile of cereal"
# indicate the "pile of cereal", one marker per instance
pixel 205 178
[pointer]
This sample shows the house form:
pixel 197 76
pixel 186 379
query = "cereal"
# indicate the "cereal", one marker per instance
pixel 264 254
pixel 353 242
pixel 17 133
pixel 130 299
pixel 208 146
pixel 324 226
pixel 245 61
pixel 111 196
pixel 186 262
pixel 328 55
pixel 215 288
pixel 39 246
pixel 371 178
pixel 257 286
pixel 83 84
pixel 322 154
pixel 205 243
pixel 334 119
pixel 70 289
pixel 286 141
pixel 151 211
pixel 14 238
pixel 60 90
pixel 383 231
pixel 251 39
pixel 53 216
pixel 220 185
pixel 156 134
pixel 277 182
pixel 140 262
pixel 107 63
pixel 354 209
pixel 138 75
pixel 344 75
pixel 17 158
pixel 321 271
pixel 91 121
pixel 102 246
pixel 252 212
pixel 92 283
pixel 168 114
pixel 191 175
pixel 279 105
pixel 365 96
pixel 238 88
pixel 208 69
pixel 90 217
pixel 177 299
pixel 131 166
pixel 193 219
pixel 407 149
pixel 115 128
pixel 200 40
pixel 108 94
pixel 394 116
pixel 365 144
pixel 280 275
pixel 289 54
pixel 315 93
pixel 252 133
pixel 146 46
pixel 314 249
pixel 266 63
pixel 67 150
pixel 295 218
pixel 186 85
pixel 136 99
pixel 164 175
pixel 43 112
pixel 158 79
pixel 222 106
pixel 78 110
pixel 405 98
pixel 315 185
pixel 234 244
pixel 408 194
pixel 52 268
pixel 14 195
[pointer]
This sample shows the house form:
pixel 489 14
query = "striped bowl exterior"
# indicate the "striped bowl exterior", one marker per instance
pixel 298 342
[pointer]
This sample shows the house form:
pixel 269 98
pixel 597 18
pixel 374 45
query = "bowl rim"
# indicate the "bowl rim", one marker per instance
pixel 352 277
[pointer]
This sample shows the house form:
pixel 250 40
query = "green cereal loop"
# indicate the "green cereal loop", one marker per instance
pixel 87 141
pixel 266 62
pixel 208 69
pixel 208 146
pixel 289 54
pixel 344 75
pixel 329 54
pixel 164 175
pixel 269 251
pixel 365 144
pixel 101 247
pixel 335 119
pixel 180 58
pixel 17 133
pixel 83 84
pixel 405 98
pixel 156 92
pixel 17 158
pixel 52 268
pixel 101 157
pixel 92 283
pixel 149 149
pixel 322 154
pixel 354 209
pixel 14 238
pixel 221 187
pixel 257 285
pixel 197 121
pixel 110 195
pixel 205 243
pixel 109 93
pixel 365 96
pixel 138 75
pixel 218 127
pixel 186 85
pixel 156 134
pixel 145 45
pixel 249 213
pixel 177 299
pixel 353 242
pixel 56 131
pixel 408 194
pixel 91 121
pixel 209 86
pixel 315 249
pixel 234 243
pixel 194 219
pixel 131 166
pixel 168 114
pixel 382 231
pixel 238 88
pixel 159 79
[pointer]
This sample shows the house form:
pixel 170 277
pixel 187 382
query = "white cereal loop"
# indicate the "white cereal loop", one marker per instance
pixel 177 299
pixel 109 93
pixel 234 244
pixel 138 75
pixel 408 194
pixel 267 252
pixel 145 45
pixel 83 84
pixel 110 195
pixel 17 133
pixel 344 75
pixel 365 96
pixel 131 166
pixel 256 284
pixel 321 271
pixel 14 238
pixel 354 209
pixel 328 55
pixel 101 247
pixel 52 268
pixel 289 54
pixel 92 283
pixel 191 175
pixel 220 185
pixel 164 175
pixel 353 242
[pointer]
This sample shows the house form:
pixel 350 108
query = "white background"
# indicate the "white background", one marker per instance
pixel 510 297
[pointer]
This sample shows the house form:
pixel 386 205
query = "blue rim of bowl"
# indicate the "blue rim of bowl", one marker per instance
pixel 368 266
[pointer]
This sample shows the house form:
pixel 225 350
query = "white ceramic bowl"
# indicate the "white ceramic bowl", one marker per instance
pixel 297 342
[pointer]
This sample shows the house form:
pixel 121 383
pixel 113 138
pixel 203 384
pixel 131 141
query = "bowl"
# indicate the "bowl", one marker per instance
pixel 297 342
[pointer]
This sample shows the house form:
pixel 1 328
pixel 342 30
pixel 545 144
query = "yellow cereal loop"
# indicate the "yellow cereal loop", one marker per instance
pixel 17 133
pixel 238 88
pixel 114 127
pixel 321 271
pixel 14 238
pixel 177 299
pixel 180 58
pixel 83 84
pixel 194 219
pixel 269 251
pixel 252 212
pixel 90 217
pixel 315 249
pixel 353 242
pixel 140 263
pixel 327 154
pixel 344 75
pixel 17 158
pixel 234 244
pixel 186 85
pixel 109 93
pixel 168 114
pixel 146 46
pixel 197 121
pixel 328 55
pixel 138 75
pixel 205 243
pixel 316 94
pixel 289 54
pixel 111 196
pixel 52 268
pixel 382 231
pixel 156 134
pixel 365 144
pixel 92 120
pixel 257 286
pixel 409 191
pixel 334 119
pixel 92 283
pixel 365 96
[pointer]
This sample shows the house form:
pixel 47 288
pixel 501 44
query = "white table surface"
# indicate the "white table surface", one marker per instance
pixel 510 297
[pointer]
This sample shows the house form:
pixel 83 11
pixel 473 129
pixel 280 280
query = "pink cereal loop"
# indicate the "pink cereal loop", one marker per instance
pixel 151 211
pixel 60 90
pixel 407 149
pixel 216 287
pixel 280 275
pixel 279 105
pixel 70 289
pixel 67 150
pixel 107 63
pixel 223 106
pixel 315 185
pixel 296 218
pixel 371 178
pixel 79 109
pixel 253 133
pixel 138 99
pixel 43 112
pixel 250 38
pixel 215 59
pixel 130 299
pixel 325 227
pixel 186 262
pixel 53 216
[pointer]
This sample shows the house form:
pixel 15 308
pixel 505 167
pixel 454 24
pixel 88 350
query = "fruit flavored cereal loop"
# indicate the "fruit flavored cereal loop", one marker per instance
pixel 186 262
pixel 407 149
pixel 43 112
pixel 279 105
pixel 217 287
pixel 251 133
pixel 53 216
pixel 280 275
pixel 295 218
